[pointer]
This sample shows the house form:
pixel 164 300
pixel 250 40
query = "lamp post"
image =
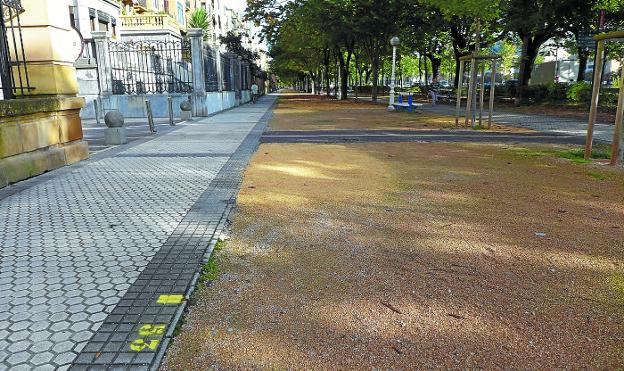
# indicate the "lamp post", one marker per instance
pixel 394 42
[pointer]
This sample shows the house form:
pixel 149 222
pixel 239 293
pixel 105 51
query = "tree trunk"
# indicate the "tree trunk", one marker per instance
pixel 344 74
pixel 530 48
pixel 457 55
pixel 426 73
pixel 583 55
pixel 326 60
pixel 375 78
pixel 436 62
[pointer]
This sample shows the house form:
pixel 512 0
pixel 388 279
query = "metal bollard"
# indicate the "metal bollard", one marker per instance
pixel 150 117
pixel 97 112
pixel 170 102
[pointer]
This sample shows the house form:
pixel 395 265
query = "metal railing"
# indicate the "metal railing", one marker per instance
pixel 226 72
pixel 13 70
pixel 245 77
pixel 151 66
pixel 88 55
pixel 150 22
pixel 210 69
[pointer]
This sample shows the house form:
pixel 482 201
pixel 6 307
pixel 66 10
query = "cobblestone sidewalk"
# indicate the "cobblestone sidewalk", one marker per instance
pixel 130 225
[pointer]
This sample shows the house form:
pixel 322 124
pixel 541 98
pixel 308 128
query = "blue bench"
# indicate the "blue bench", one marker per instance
pixel 402 103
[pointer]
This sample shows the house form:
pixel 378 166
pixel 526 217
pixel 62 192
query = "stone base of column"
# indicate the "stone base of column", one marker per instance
pixel 186 115
pixel 39 135
pixel 115 136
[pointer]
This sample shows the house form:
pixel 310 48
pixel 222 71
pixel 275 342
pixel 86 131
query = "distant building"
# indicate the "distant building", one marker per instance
pixel 561 66
pixel 153 19
pixel 95 15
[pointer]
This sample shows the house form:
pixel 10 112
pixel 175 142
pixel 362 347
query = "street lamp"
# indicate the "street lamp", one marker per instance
pixel 394 42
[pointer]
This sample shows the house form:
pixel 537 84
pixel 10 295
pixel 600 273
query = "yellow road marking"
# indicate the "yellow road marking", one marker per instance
pixel 170 299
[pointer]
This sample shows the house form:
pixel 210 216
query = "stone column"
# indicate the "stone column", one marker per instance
pixel 42 130
pixel 220 72
pixel 197 59
pixel 49 47
pixel 105 73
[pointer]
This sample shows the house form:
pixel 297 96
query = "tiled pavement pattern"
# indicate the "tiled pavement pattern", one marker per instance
pixel 94 240
pixel 136 129
pixel 135 335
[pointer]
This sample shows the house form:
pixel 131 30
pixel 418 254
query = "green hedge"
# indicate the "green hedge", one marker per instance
pixel 578 93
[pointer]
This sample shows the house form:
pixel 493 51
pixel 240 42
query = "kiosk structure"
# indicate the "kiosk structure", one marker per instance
pixel 617 152
pixel 476 62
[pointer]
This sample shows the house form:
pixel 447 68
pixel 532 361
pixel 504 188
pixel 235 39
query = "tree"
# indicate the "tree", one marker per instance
pixel 377 22
pixel 537 21
pixel 233 44
pixel 463 18
pixel 199 19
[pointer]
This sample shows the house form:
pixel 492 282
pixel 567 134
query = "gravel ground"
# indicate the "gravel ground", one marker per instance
pixel 415 255
pixel 307 112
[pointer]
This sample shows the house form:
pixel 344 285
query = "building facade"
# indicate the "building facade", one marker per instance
pixel 153 19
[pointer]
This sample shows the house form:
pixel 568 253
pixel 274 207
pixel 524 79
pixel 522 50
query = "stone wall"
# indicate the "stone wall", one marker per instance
pixel 133 106
pixel 39 135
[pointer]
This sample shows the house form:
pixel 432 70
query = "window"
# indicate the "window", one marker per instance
pixel 92 22
pixel 155 4
pixel 181 13
pixel 102 26
pixel 72 17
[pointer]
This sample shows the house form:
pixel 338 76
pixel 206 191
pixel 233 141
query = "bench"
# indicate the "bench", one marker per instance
pixel 402 103
pixel 446 95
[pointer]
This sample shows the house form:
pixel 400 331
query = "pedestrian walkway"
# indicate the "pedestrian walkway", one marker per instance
pixel 543 123
pixel 97 259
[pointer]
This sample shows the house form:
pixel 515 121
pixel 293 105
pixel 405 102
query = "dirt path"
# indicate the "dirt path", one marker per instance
pixel 414 255
pixel 307 112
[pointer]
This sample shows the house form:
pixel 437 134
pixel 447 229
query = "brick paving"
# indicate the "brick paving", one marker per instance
pixel 97 259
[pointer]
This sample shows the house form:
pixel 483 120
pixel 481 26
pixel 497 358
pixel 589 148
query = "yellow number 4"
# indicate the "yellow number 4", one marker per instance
pixel 152 330
pixel 140 344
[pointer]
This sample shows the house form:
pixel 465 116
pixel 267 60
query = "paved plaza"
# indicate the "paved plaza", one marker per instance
pixel 97 259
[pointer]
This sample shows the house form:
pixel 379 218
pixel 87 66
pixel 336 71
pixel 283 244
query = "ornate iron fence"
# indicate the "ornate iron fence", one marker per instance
pixel 151 66
pixel 226 70
pixel 210 69
pixel 13 69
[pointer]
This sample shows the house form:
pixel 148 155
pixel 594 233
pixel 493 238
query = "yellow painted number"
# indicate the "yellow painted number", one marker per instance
pixel 152 330
pixel 170 299
pixel 140 344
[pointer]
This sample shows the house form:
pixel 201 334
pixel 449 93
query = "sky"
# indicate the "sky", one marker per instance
pixel 239 5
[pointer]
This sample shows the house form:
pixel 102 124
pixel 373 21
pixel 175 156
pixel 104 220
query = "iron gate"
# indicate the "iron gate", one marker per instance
pixel 226 70
pixel 13 69
pixel 210 69
pixel 151 66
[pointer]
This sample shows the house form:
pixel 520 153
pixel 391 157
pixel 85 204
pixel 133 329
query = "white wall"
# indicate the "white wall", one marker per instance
pixel 110 7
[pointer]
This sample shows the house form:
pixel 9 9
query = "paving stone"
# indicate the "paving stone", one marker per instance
pixel 42 358
pixel 88 232
pixel 18 357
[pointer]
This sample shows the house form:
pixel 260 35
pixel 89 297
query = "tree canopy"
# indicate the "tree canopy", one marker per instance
pixel 330 42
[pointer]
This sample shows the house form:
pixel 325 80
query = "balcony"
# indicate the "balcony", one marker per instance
pixel 150 22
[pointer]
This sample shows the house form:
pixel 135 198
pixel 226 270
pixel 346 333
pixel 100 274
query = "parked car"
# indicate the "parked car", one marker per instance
pixel 511 87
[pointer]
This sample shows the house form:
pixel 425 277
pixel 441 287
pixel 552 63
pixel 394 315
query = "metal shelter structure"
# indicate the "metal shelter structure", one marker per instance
pixel 476 61
pixel 617 152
